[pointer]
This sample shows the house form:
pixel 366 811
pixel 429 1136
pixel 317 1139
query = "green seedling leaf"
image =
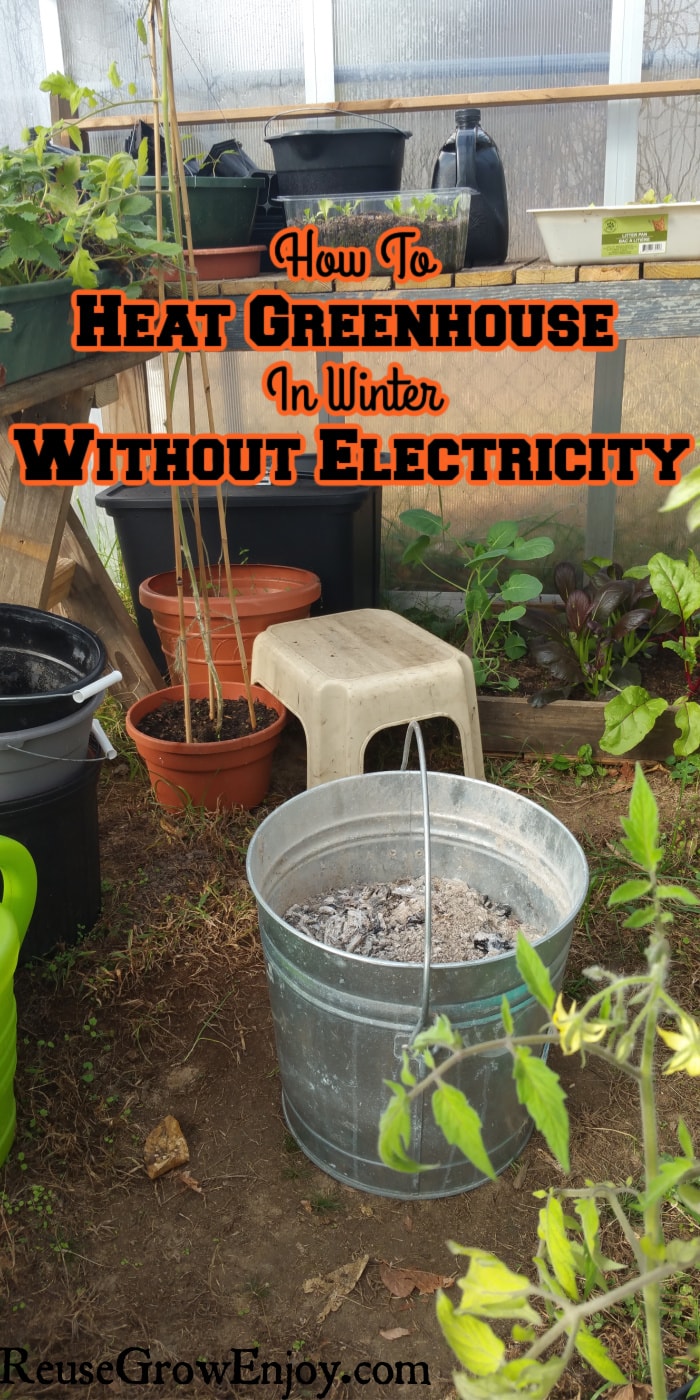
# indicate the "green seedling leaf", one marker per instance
pixel 684 492
pixel 461 1126
pixel 668 1175
pixel 685 1140
pixel 414 551
pixel 512 615
pixel 425 521
pixel 534 973
pixel 502 535
pixel 520 588
pixel 592 1350
pixel 83 269
pixel 395 1132
pixel 641 918
pixel 440 1033
pixel 506 1016
pixel 676 584
pixel 678 892
pixel 540 1092
pixel 473 1342
pixel 629 718
pixel 641 827
pixel 561 1255
pixel 537 548
pixel 688 721
pixel 113 75
pixel 141 30
pixel 631 889
pixel 6 321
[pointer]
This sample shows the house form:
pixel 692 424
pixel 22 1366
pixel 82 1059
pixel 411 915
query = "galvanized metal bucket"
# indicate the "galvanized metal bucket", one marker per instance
pixel 342 1020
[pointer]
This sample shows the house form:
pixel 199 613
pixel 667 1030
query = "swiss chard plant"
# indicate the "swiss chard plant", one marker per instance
pixel 593 640
pixel 545 1316
pixel 493 598
pixel 633 713
pixel 65 213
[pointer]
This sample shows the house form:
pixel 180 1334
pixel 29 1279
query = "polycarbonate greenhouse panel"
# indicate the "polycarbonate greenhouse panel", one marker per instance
pixel 669 136
pixel 23 67
pixel 241 55
pixel 551 154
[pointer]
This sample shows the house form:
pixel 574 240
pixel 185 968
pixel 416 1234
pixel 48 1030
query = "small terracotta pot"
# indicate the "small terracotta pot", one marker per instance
pixel 229 773
pixel 220 264
pixel 265 593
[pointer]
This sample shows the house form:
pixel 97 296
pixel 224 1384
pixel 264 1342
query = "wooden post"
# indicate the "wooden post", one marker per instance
pixel 34 516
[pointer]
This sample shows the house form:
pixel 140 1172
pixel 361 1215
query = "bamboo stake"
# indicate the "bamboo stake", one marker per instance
pixel 192 272
pixel 182 623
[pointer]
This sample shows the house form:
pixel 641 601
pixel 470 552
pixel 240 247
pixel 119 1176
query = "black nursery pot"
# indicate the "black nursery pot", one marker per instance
pixel 328 160
pixel 43 659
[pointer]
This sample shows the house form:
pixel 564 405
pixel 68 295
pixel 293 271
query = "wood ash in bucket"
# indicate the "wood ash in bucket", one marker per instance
pixel 387 921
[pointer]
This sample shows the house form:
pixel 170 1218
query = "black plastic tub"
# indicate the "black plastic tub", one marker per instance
pixel 43 659
pixel 325 160
pixel 59 829
pixel 334 531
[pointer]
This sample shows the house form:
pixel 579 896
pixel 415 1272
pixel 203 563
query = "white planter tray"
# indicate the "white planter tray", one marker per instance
pixel 620 233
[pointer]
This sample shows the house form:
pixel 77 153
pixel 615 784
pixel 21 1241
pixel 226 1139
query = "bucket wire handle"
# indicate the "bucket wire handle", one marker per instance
pixel 330 111
pixel 414 728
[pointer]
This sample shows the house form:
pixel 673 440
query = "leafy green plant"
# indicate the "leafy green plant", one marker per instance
pixel 620 1023
pixel 422 207
pixel 582 766
pixel 633 713
pixel 492 601
pixel 68 214
pixel 603 625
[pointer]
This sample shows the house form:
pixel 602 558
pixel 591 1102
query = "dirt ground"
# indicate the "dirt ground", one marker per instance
pixel 163 1009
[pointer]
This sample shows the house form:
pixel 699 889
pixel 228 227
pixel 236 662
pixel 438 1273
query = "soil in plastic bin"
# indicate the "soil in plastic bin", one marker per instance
pixel 443 237
pixel 387 920
pixel 168 721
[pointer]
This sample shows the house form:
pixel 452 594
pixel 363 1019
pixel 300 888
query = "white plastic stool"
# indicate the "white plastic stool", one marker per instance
pixel 348 675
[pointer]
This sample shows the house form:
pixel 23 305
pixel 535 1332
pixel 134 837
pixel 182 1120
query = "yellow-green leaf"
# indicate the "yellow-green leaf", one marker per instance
pixel 534 973
pixel 461 1126
pixel 540 1092
pixel 592 1350
pixel 561 1256
pixel 473 1342
pixel 491 1289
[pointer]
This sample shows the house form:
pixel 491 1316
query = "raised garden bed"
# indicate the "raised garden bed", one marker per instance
pixel 510 725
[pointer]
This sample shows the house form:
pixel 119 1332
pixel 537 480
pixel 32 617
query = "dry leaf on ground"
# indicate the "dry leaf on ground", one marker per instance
pixel 337 1285
pixel 191 1182
pixel 634 1390
pixel 165 1148
pixel 401 1282
pixel 392 1334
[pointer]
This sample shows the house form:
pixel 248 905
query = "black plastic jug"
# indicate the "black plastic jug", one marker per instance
pixel 470 159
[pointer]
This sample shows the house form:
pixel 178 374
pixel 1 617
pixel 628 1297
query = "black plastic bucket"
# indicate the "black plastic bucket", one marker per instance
pixel 59 829
pixel 43 660
pixel 335 160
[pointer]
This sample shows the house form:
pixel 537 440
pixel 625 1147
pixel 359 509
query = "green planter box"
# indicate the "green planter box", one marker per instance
pixel 40 337
pixel 222 208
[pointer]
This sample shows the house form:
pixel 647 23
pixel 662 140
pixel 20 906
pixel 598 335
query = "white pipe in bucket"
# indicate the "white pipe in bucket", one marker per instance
pixel 103 683
pixel 101 738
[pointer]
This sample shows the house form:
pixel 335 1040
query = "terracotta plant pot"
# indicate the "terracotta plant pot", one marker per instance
pixel 218 264
pixel 230 773
pixel 265 593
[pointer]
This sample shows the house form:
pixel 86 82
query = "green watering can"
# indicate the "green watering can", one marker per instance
pixel 16 909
